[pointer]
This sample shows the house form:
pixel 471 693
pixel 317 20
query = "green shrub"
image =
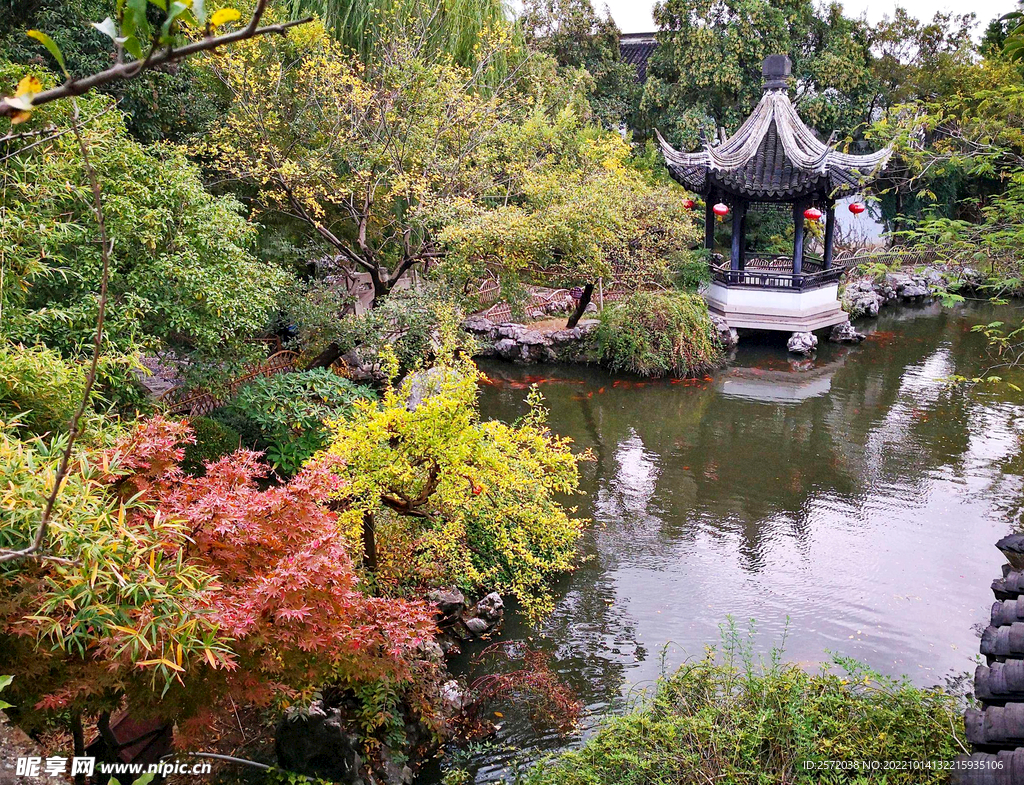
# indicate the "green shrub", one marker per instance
pixel 214 440
pixel 40 385
pixel 289 411
pixel 248 431
pixel 743 723
pixel 689 269
pixel 657 334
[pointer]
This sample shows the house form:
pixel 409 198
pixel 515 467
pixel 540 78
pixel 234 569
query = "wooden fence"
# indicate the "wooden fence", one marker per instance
pixel 179 400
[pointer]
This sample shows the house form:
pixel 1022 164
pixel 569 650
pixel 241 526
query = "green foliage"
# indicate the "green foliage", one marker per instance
pixel 290 410
pixel 182 276
pixel 689 269
pixel 40 385
pixel 451 30
pixel 656 334
pixel 213 440
pixel 737 721
pixel 574 217
pixel 706 71
pixel 457 500
pixel 5 681
pixel 168 104
pixel 576 37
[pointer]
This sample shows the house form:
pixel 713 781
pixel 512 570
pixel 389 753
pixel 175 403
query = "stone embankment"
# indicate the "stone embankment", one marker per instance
pixel 866 295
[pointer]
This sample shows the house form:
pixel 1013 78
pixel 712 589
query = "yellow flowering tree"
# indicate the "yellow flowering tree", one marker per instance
pixel 439 496
pixel 363 157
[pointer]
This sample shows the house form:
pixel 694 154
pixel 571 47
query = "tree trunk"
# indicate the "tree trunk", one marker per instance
pixel 369 542
pixel 581 306
pixel 326 358
pixel 78 736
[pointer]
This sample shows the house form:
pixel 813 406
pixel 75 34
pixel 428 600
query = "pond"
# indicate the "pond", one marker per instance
pixel 849 504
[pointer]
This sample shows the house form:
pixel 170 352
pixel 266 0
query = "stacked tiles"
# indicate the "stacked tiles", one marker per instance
pixel 996 729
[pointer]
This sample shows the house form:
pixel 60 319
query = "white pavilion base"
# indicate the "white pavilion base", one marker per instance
pixel 756 308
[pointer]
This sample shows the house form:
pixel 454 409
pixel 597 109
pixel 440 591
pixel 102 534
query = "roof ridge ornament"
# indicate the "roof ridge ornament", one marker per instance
pixel 776 70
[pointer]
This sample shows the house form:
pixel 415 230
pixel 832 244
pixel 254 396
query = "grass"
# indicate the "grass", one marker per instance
pixel 731 720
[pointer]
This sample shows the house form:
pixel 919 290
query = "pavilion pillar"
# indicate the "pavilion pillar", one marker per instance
pixel 830 228
pixel 798 237
pixel 709 222
pixel 739 215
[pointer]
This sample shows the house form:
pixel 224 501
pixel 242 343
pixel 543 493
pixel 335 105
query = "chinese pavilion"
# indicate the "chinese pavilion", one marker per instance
pixel 774 162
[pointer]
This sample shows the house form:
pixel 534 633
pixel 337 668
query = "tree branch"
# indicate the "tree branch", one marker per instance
pixel 122 71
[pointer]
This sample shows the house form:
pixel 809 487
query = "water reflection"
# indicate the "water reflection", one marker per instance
pixel 856 495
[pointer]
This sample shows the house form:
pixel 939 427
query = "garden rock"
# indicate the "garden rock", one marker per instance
pixel 453 696
pixel 802 343
pixel 448 601
pixel 477 626
pixel 315 743
pixel 914 291
pixel 491 607
pixel 396 770
pixel 357 369
pixel 845 333
pixel 727 336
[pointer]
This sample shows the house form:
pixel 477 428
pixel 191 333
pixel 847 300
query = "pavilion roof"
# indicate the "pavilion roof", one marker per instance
pixel 773 156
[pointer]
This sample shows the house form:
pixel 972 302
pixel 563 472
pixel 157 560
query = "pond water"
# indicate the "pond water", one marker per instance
pixel 848 504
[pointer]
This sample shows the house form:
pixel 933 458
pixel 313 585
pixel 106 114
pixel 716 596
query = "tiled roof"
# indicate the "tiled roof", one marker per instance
pixel 773 155
pixel 636 49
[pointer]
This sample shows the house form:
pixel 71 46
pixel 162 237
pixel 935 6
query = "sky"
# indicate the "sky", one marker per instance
pixel 634 16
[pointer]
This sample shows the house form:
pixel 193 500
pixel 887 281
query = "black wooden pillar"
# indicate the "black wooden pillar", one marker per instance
pixel 798 237
pixel 830 229
pixel 739 215
pixel 709 222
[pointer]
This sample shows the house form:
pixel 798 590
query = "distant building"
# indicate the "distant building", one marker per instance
pixel 636 49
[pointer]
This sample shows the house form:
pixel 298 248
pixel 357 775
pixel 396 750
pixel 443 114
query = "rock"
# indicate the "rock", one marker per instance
pixel 15 744
pixel 591 308
pixel 448 601
pixel 490 607
pixel 358 371
pixel 480 326
pixel 845 333
pixel 315 743
pixel 423 384
pixel 477 625
pixel 862 303
pixel 727 336
pixel 914 291
pixel 396 770
pixel 431 650
pixel 802 343
pixel 453 696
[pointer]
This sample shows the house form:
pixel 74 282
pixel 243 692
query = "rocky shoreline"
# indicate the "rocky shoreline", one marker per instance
pixel 861 295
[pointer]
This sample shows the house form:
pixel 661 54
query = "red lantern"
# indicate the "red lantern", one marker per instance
pixel 812 214
pixel 856 208
pixel 721 210
pixel 688 204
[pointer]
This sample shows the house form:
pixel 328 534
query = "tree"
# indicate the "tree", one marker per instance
pixel 365 157
pixel 576 37
pixel 575 219
pixel 706 71
pixel 183 593
pixel 455 31
pixel 440 497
